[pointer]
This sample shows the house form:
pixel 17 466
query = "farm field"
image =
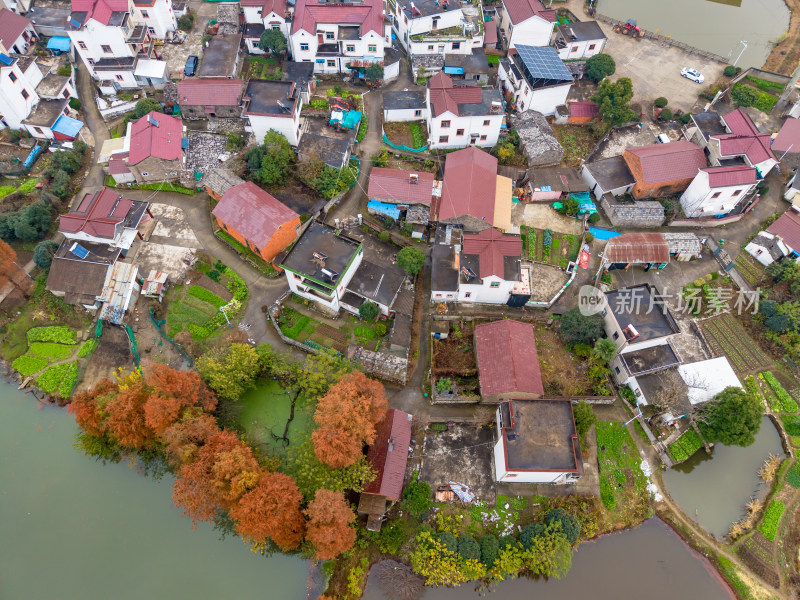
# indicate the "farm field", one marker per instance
pixel 749 268
pixel 306 329
pixel 563 247
pixel 727 337
pixel 622 482
pixel 758 554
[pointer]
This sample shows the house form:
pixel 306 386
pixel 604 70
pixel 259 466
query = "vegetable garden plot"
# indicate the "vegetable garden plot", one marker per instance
pixel 727 337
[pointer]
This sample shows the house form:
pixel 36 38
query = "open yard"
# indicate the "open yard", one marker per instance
pixel 263 67
pixel 548 246
pixel 276 418
pixel 455 355
pixel 562 373
pixel 623 486
pixel 727 337
pixel 413 134
pixel 578 142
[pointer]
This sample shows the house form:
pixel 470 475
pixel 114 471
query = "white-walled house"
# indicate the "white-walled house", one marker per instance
pixel 17 35
pixel 109 38
pixel 716 191
pixel 321 264
pixel 637 317
pixel 25 83
pixel 781 239
pixel 339 37
pixel 535 78
pixel 157 16
pixel 274 105
pixel 260 15
pixel 526 22
pixel 581 39
pixel 492 271
pixel 741 140
pixel 436 27
pixel 461 116
pixel 537 442
pixel 404 106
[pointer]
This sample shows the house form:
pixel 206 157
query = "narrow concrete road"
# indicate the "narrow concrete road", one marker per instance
pixel 87 91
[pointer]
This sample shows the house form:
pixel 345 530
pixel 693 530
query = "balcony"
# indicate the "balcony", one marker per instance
pixel 122 63
pixel 137 35
pixel 328 50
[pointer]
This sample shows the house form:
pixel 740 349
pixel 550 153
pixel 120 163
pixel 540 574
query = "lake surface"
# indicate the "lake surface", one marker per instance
pixel 650 561
pixel 716 26
pixel 73 528
pixel 713 489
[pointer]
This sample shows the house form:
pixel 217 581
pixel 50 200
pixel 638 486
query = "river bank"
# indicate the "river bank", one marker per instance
pixel 785 56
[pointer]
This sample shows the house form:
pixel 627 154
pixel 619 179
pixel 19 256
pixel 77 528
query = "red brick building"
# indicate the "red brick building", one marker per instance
pixel 664 169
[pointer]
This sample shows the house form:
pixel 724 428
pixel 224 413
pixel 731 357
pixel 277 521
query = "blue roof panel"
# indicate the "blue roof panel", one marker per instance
pixel 58 43
pixel 543 62
pixel 6 60
pixel 67 126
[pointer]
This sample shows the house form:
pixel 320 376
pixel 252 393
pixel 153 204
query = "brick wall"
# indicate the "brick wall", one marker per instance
pixel 633 214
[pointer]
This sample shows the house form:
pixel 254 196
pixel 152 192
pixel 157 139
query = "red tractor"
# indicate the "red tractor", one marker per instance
pixel 629 28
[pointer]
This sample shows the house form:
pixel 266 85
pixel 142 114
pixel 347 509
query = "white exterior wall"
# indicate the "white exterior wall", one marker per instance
pixel 574 50
pixel 534 31
pixel 252 46
pixel 361 49
pixel 439 296
pixel 405 114
pixel 19 45
pixel 334 305
pixel 419 25
pixel 391 71
pixel 13 107
pixel 448 46
pixel 543 100
pixel 470 125
pixel 93 36
pixel 485 293
pixel 287 125
pixel 252 14
pixel 697 200
pixel 159 17
pixel 81 236
pixel 501 474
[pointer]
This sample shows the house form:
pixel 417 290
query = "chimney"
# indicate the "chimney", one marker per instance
pixel 413 178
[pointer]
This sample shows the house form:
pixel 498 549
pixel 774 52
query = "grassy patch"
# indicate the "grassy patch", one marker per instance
pixel 578 142
pixel 685 446
pixel 60 334
pixel 28 365
pixel 772 518
pixel 250 257
pixel 204 295
pixel 492 60
pixel 417 137
pixel 265 412
pixel 619 463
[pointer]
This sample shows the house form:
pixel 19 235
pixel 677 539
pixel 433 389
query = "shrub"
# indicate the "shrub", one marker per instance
pixel 74 103
pixel 772 518
pixel 529 533
pixel 384 236
pixel 444 384
pixel 729 71
pixel 490 548
pixel 214 275
pixel 793 476
pixel 791 423
pixel 380 329
pixel 368 310
pixel 600 66
pixel 448 540
pixel 44 252
pixel 584 418
pixel 594 218
pixel 411 260
pixel 570 526
pixel 507 541
pixel 417 497
pixel 186 21
pixel 660 102
pixel 685 118
pixel 666 115
pixel 468 547
pixel 589 238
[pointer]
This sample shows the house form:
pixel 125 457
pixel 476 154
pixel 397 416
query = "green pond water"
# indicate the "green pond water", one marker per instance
pixel 715 26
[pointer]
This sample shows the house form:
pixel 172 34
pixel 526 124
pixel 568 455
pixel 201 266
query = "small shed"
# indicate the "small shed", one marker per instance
pixel 684 247
pixel 155 284
pixel 440 329
pixel 66 128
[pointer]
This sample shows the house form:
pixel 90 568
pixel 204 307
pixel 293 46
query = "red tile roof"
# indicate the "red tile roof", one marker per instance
pixel 788 227
pixel 99 10
pixel 253 213
pixel 490 33
pixel 395 185
pixel 97 214
pixel 521 10
pixel 728 176
pixel 308 13
pixel 11 27
pixel 210 91
pixel 446 97
pixel 583 109
pixel 507 360
pixel 155 134
pixel 469 186
pixel 637 248
pixel 118 164
pixel 744 139
pixel 665 162
pixel 270 6
pixel 492 247
pixel 389 454
pixel 788 138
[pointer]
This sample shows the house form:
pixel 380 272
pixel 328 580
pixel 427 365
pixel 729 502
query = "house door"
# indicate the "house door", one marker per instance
pixel 320 38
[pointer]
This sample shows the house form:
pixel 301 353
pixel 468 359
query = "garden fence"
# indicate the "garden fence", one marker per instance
pixel 401 146
pixel 158 325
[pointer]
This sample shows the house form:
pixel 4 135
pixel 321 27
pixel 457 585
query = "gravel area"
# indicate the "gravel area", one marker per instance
pixel 204 151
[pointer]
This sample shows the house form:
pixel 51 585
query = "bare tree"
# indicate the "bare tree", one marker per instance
pixel 397 581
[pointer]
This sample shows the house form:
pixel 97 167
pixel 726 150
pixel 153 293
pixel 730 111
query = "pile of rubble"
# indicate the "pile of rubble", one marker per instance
pixel 206 151
pixel 537 140
pixel 225 126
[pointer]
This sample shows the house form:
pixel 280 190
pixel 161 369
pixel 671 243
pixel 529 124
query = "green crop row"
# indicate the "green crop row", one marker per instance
pixel 788 404
pixel 50 350
pixel 70 378
pixel 52 377
pixel 28 365
pixel 87 348
pixel 793 476
pixel 205 295
pixel 60 334
pixel 772 518
pixel 685 446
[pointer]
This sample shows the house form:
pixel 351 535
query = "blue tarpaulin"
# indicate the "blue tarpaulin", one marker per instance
pixel 384 208
pixel 67 126
pixel 58 44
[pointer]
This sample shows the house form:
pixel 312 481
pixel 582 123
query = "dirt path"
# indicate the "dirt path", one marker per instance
pixel 777 61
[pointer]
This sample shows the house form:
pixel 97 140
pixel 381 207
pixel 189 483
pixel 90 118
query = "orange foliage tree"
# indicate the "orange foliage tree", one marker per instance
pixel 224 469
pixel 9 270
pixel 329 524
pixel 172 392
pixel 184 438
pixel 86 407
pixel 271 510
pixel 347 416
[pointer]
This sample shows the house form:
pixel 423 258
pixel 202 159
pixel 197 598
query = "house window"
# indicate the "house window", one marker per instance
pixel 118 77
pixel 716 195
pixel 443 139
pixel 276 27
pixel 66 94
pixel 331 63
pixel 417 113
pixel 329 35
pixel 351 47
pixel 736 193
pixel 296 276
pixel 25 94
pixel 38 130
pixel 494 284
pixel 90 61
pixel 468 295
pixel 616 370
pixel 616 335
pixel 82 46
pixel 486 122
pixel 372 48
pixel 574 49
pixel 483 138
pixel 430 47
pixel 304 47
pixel 145 15
pixel 459 132
pixel 12 77
pixel 456 45
pixel 106 48
pixel 591 46
pixel 151 31
pixel 445 124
